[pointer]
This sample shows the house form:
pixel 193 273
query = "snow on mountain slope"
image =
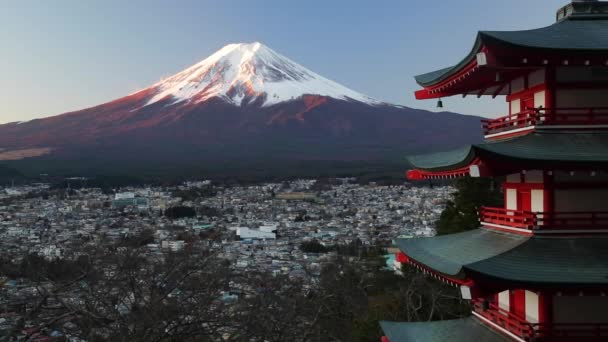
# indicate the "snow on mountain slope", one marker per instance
pixel 241 73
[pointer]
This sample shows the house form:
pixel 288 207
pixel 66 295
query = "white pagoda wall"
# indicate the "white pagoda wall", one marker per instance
pixel 511 199
pixel 503 300
pixel 537 195
pixel 538 203
pixel 532 308
pixel 514 106
pixel 518 85
pixel 531 304
pixel 539 100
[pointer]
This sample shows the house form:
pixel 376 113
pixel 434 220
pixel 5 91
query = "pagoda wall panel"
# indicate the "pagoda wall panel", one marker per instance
pixel 511 199
pixel 539 99
pixel 504 300
pixel 572 74
pixel 580 309
pixel 582 200
pixel 517 84
pixel 538 200
pixel 534 176
pixel 514 178
pixel 537 77
pixel 514 106
pixel 581 98
pixel 532 312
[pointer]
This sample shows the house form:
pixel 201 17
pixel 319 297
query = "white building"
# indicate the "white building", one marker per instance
pixel 173 246
pixel 246 233
pixel 124 195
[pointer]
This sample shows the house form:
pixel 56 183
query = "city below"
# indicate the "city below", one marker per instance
pixel 257 228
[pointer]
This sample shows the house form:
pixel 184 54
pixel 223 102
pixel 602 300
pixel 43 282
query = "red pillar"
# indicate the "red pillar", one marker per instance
pixel 545 310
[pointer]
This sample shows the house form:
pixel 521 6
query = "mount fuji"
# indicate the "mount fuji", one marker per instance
pixel 245 102
pixel 245 73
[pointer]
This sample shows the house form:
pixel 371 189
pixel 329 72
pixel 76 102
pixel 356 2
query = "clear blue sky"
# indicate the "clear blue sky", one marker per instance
pixel 65 55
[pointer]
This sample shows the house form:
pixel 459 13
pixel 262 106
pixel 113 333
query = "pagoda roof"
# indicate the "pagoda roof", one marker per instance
pixel 547 260
pixel 575 261
pixel 574 34
pixel 541 149
pixel 455 330
pixel 448 254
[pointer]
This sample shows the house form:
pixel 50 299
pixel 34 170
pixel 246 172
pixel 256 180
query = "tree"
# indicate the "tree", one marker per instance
pixel 313 246
pixel 196 193
pixel 124 296
pixel 180 212
pixel 461 213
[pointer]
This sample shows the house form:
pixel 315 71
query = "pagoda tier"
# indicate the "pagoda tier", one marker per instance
pixel 581 38
pixel 577 41
pixel 553 77
pixel 540 150
pixel 546 288
pixel 495 260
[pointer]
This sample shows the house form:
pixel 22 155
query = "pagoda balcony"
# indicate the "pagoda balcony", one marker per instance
pixel 503 318
pixel 533 117
pixel 539 331
pixel 556 221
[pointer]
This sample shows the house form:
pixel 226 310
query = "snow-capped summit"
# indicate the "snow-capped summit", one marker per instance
pixel 243 73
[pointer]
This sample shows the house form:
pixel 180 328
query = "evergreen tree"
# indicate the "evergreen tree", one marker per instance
pixel 461 213
pixel 178 212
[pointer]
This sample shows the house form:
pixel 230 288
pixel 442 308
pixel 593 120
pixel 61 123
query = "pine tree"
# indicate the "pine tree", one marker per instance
pixel 461 213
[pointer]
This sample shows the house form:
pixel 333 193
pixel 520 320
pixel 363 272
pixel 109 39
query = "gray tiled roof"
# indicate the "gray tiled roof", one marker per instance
pixel 541 147
pixel 546 261
pixel 449 253
pixel 570 35
pixel 551 260
pixel 454 330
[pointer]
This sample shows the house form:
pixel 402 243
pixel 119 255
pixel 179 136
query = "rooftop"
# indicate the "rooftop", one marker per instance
pixel 538 149
pixel 489 255
pixel 582 28
pixel 455 330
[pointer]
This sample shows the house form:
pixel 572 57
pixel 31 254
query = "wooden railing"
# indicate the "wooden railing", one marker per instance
pixel 546 117
pixel 571 331
pixel 503 318
pixel 540 331
pixel 507 217
pixel 574 116
pixel 506 123
pixel 544 220
pixel 575 220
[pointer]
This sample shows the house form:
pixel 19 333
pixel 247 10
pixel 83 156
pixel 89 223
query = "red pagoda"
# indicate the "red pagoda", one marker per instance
pixel 537 269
